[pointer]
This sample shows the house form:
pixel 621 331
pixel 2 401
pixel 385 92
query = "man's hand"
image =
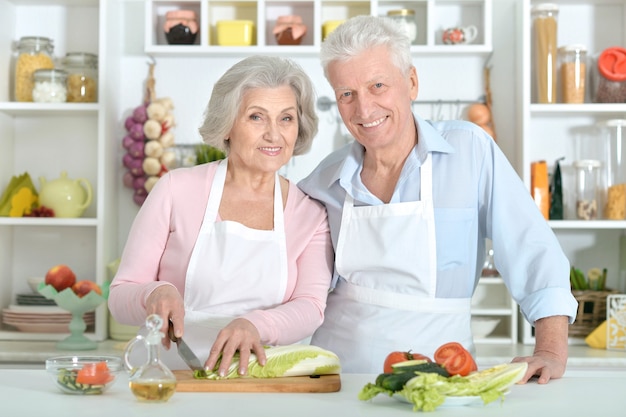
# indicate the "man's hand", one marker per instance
pixel 550 357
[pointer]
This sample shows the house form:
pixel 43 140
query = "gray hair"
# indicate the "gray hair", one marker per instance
pixel 258 72
pixel 360 33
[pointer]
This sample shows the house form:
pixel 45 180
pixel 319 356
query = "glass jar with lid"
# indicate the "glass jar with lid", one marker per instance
pixel 614 132
pixel 82 77
pixel 405 20
pixel 573 72
pixel 32 53
pixel 49 86
pixel 587 189
pixel 545 17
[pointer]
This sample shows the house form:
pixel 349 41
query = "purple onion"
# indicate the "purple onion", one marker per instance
pixel 140 115
pixel 140 196
pixel 136 168
pixel 127 160
pixel 129 123
pixel 127 141
pixel 139 182
pixel 136 131
pixel 136 150
pixel 128 179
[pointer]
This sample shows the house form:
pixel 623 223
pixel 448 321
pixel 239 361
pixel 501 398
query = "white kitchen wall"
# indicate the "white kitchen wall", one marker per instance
pixel 188 82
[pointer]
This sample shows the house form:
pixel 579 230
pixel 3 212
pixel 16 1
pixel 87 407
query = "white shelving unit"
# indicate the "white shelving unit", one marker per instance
pixel 432 17
pixel 553 131
pixel 46 139
pixel 492 300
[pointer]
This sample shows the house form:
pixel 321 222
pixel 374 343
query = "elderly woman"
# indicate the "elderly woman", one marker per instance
pixel 234 255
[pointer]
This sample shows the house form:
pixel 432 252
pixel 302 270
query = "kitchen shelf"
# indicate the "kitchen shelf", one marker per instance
pixel 45 139
pixel 432 17
pixel 49 109
pixel 492 299
pixel 553 131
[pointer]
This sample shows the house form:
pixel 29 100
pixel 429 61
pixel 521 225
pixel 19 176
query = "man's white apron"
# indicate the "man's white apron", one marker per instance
pixel 385 301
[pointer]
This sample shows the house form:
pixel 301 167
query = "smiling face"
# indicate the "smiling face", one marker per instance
pixel 374 98
pixel 265 129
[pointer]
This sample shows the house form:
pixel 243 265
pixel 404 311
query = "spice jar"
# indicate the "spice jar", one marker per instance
pixel 49 86
pixel 82 77
pixel 609 76
pixel 405 20
pixel 33 53
pixel 545 31
pixel 587 189
pixel 615 137
pixel 181 27
pixel 573 70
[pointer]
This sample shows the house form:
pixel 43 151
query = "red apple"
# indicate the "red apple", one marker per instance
pixel 84 287
pixel 60 277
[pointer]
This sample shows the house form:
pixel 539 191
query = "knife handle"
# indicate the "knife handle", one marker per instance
pixel 170 332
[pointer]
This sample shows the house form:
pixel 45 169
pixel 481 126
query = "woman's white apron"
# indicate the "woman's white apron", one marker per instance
pixel 232 270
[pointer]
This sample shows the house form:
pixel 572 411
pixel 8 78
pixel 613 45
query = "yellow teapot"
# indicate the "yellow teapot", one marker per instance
pixel 67 197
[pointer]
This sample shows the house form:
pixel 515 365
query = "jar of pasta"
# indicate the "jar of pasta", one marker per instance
pixel 32 53
pixel 573 71
pixel 82 77
pixel 615 136
pixel 545 33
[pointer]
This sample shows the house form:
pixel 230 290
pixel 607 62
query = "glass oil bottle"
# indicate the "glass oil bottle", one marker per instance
pixel 152 381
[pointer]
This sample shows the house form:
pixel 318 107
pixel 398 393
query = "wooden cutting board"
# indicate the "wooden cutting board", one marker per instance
pixel 322 383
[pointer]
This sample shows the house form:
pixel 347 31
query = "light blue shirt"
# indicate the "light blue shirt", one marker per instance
pixel 477 194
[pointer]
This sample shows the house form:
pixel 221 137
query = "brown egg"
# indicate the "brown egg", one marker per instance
pixel 479 113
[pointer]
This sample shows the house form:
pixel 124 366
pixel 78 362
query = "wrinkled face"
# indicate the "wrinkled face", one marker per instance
pixel 374 98
pixel 265 129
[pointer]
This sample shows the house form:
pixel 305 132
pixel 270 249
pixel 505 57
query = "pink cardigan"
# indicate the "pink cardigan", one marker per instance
pixel 163 235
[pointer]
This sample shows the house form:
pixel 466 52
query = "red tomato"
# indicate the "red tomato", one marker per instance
pixel 94 374
pixel 397 356
pixel 455 359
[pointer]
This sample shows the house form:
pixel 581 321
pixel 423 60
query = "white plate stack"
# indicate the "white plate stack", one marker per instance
pixel 41 319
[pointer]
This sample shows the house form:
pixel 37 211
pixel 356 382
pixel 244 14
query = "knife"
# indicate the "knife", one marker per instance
pixel 185 352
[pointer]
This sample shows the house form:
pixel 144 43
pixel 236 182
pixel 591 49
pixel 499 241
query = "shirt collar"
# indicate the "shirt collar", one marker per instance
pixel 429 140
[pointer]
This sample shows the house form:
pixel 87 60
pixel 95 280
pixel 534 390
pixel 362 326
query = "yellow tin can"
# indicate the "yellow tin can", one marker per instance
pixel 235 32
pixel 329 26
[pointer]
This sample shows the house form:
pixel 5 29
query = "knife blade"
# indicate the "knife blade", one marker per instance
pixel 185 352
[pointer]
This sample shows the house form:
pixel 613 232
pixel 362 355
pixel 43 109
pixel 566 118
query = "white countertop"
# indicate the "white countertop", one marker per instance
pixel 27 393
pixel 23 354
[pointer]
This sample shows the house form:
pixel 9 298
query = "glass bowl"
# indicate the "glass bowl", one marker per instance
pixel 84 375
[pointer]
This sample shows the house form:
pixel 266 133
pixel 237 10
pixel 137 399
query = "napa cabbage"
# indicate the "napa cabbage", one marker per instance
pixel 283 361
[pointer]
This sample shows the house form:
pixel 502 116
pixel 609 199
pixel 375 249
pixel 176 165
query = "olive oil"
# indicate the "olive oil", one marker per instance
pixel 152 381
pixel 153 391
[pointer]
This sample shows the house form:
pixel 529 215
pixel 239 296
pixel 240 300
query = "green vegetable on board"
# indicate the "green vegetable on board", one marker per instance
pixel 283 361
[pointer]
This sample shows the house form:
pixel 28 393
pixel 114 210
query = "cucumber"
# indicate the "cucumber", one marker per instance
pixel 67 380
pixel 428 367
pixel 404 371
pixel 394 381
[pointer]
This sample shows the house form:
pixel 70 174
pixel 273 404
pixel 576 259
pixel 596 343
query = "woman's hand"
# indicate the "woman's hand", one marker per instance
pixel 239 335
pixel 167 302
